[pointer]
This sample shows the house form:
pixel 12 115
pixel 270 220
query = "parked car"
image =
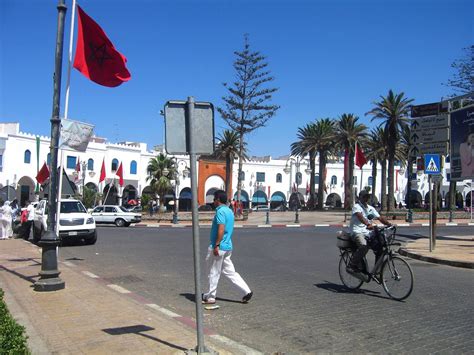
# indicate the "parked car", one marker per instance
pixel 117 215
pixel 137 209
pixel 75 223
pixel 263 208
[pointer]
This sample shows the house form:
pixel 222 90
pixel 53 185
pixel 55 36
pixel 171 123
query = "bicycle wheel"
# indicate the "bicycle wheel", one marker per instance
pixel 397 278
pixel 350 281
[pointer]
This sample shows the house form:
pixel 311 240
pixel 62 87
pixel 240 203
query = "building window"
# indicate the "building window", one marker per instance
pixel 242 176
pixel 334 180
pixel 278 177
pixel 114 165
pixel 27 159
pixel 48 159
pixel 370 181
pixel 90 164
pixel 260 177
pixel 133 167
pixel 316 179
pixel 354 180
pixel 71 162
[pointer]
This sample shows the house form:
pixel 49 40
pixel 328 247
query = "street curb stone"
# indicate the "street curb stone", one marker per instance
pixel 430 259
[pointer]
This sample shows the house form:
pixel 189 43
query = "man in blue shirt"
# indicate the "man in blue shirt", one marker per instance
pixel 220 251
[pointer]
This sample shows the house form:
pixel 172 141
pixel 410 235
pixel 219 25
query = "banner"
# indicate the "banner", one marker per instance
pixel 75 135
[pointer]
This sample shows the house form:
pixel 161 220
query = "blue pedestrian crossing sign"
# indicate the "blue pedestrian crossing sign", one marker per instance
pixel 432 164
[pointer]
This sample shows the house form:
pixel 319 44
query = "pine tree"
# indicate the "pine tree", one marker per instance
pixel 463 79
pixel 247 105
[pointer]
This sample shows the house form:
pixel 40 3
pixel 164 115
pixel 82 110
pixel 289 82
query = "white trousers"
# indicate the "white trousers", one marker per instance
pixel 222 264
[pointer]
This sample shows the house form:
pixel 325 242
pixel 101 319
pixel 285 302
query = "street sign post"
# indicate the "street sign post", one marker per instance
pixel 429 135
pixel 432 164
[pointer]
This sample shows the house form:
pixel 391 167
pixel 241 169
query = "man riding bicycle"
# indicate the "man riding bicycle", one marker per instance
pixel 362 229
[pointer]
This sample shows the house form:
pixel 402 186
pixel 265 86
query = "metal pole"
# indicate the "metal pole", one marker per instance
pixel 431 212
pixel 201 348
pixel 175 211
pixel 8 190
pixel 435 211
pixel 49 274
pixel 410 173
pixel 297 216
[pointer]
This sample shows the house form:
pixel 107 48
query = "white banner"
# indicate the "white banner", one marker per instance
pixel 75 135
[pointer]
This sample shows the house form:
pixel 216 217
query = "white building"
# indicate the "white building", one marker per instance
pixel 265 180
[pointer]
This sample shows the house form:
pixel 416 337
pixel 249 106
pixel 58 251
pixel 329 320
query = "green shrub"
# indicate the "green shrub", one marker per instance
pixel 12 335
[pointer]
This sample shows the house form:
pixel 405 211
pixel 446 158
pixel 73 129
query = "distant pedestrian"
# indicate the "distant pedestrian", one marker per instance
pixel 3 225
pixel 8 215
pixel 220 252
pixel 30 216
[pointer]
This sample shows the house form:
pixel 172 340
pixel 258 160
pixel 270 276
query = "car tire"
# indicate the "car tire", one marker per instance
pixel 119 222
pixel 91 241
pixel 127 224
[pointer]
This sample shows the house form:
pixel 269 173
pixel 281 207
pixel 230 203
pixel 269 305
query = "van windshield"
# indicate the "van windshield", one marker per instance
pixel 72 207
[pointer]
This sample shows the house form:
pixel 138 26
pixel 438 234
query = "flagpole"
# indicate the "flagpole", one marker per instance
pixel 71 38
pixel 61 164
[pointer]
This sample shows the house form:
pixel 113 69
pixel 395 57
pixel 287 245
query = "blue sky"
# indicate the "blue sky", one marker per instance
pixel 328 58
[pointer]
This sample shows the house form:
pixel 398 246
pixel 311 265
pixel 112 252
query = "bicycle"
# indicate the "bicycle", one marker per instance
pixel 389 270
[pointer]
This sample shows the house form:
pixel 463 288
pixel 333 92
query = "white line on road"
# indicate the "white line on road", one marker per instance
pixel 90 274
pixel 321 225
pixel 239 347
pixel 293 225
pixel 162 310
pixel 118 288
pixel 264 226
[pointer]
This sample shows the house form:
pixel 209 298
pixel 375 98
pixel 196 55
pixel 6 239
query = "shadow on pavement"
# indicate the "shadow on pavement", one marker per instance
pixel 138 330
pixel 31 279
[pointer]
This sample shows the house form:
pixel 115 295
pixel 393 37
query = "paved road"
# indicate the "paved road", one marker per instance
pixel 299 303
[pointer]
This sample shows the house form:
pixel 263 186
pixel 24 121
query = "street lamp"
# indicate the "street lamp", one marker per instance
pixel 288 169
pixel 177 173
pixel 84 165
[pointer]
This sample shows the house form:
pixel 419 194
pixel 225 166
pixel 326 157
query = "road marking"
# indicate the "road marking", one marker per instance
pixel 68 263
pixel 321 225
pixel 293 225
pixel 238 225
pixel 162 310
pixel 470 224
pixel 90 274
pixel 241 348
pixel 264 226
pixel 425 224
pixel 178 225
pixel 451 224
pixel 118 288
pixel 403 225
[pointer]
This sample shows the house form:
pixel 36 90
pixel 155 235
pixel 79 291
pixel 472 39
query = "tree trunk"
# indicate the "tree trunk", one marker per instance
pixel 383 190
pixel 228 174
pixel 312 192
pixel 322 182
pixel 374 181
pixel 452 196
pixel 348 183
pixel 239 175
pixel 391 171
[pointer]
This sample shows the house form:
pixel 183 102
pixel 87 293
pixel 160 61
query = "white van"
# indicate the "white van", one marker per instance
pixel 75 223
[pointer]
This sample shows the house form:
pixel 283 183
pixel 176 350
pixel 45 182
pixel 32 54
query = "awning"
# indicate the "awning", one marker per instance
pixel 185 195
pixel 259 199
pixel 278 197
pixel 243 196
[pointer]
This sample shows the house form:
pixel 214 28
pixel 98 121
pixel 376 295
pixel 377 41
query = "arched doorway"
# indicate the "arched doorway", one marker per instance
pixel 427 201
pixel 26 190
pixel 244 198
pixel 415 200
pixel 468 200
pixel 210 195
pixel 334 200
pixel 278 199
pixel 259 198
pixel 129 193
pixel 185 197
pixel 213 183
pixel 7 193
pixel 458 203
pixel 296 201
pixel 110 195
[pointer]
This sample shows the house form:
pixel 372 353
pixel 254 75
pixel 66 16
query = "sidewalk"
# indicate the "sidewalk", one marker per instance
pixel 91 317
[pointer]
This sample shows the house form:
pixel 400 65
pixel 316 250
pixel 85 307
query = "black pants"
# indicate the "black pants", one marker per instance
pixel 26 227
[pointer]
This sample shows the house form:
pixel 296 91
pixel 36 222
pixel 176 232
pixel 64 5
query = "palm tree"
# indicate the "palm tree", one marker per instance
pixel 393 109
pixel 349 131
pixel 161 170
pixel 228 148
pixel 301 148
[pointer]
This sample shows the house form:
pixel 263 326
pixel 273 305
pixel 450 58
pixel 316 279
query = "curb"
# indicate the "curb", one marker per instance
pixel 430 259
pixel 290 225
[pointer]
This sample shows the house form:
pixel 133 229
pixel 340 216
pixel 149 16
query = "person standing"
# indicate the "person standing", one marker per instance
pixel 220 251
pixel 8 215
pixel 30 211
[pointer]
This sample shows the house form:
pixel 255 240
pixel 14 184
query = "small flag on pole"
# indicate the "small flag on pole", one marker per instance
pixel 96 57
pixel 75 135
pixel 120 174
pixel 43 174
pixel 102 172
pixel 77 171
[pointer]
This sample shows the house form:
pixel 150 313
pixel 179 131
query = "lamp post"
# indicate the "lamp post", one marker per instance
pixel 185 173
pixel 49 274
pixel 84 166
pixel 288 170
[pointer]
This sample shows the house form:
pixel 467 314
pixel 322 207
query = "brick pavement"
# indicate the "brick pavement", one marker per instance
pixel 91 317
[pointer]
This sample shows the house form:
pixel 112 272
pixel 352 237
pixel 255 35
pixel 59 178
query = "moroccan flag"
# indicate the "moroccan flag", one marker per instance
pixel 96 57
pixel 360 158
pixel 102 172
pixel 307 188
pixel 43 174
pixel 120 174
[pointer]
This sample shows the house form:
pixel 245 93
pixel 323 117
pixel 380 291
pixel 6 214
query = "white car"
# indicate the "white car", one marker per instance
pixel 117 215
pixel 74 221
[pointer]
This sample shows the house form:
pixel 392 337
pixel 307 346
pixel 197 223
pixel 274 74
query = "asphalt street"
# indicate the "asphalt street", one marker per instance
pixel 299 303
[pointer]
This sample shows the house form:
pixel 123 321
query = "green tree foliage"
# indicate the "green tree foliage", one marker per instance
pixel 161 170
pixel 393 109
pixel 247 105
pixel 462 81
pixel 228 148
pixel 89 197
